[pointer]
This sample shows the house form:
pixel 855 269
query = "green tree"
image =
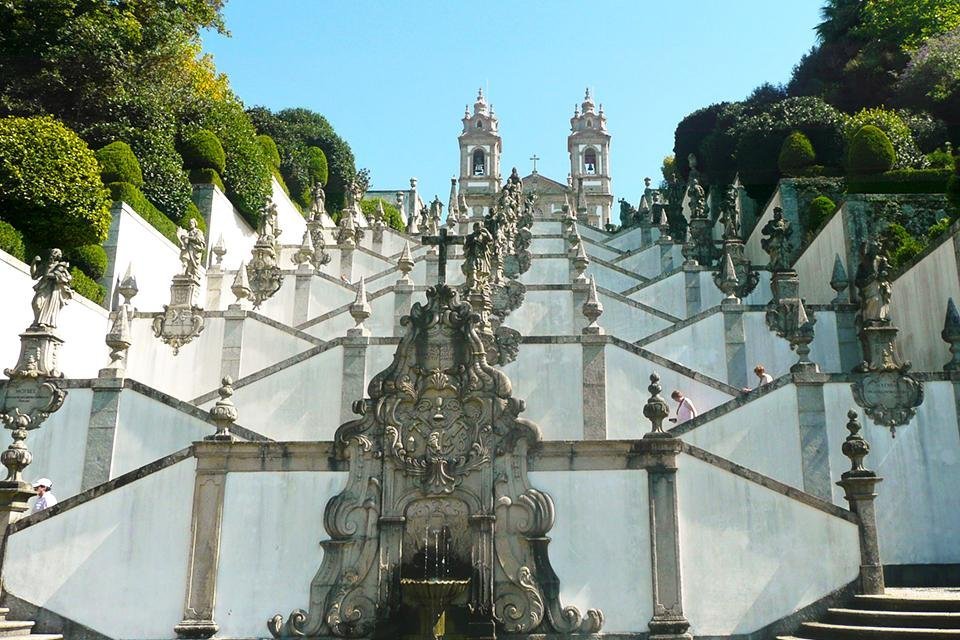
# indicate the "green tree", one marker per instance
pixel 907 23
pixel 931 80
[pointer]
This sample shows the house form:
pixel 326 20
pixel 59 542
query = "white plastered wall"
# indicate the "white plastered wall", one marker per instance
pixel 549 378
pixel 193 371
pixel 815 265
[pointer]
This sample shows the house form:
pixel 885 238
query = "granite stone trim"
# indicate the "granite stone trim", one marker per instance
pixel 678 326
pixel 47 622
pixel 787 625
pixel 663 275
pixel 768 482
pixel 814 441
pixel 94 492
pixel 738 400
pixel 636 304
pixel 344 308
pixel 618 269
pixel 674 366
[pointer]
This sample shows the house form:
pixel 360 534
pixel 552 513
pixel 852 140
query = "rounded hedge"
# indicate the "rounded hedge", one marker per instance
pixel 87 286
pixel 119 164
pixel 203 150
pixel 317 165
pixel 193 213
pixel 796 155
pixel 907 153
pixel 89 258
pixel 11 241
pixel 270 150
pixel 870 152
pixel 818 211
pixel 50 186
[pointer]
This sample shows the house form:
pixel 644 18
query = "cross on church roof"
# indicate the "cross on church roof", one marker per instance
pixel 534 157
pixel 441 241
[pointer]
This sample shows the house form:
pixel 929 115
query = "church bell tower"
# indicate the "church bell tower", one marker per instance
pixel 480 148
pixel 589 148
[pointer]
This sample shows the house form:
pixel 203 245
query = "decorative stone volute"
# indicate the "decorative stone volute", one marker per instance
pixel 224 413
pixel 951 335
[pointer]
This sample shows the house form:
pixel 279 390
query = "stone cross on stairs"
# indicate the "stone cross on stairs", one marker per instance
pixel 441 241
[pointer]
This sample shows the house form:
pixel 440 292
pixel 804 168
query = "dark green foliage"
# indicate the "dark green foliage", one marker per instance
pixel 690 134
pixel 247 172
pixel 126 192
pixel 901 181
pixel 11 241
pixel 940 159
pixel 270 150
pixel 203 150
pixel 870 152
pixel 901 247
pixel 50 187
pixel 193 213
pixel 817 213
pixel 392 215
pixel 796 155
pixel 294 130
pixel 119 164
pixel 908 155
pixel 928 132
pixel 317 165
pixel 87 286
pixel 89 258
pixel 206 176
pixel 939 228
pixel 953 191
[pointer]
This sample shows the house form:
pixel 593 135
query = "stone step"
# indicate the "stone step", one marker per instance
pixel 15 628
pixel 916 619
pixel 910 600
pixel 824 631
pixel 35 636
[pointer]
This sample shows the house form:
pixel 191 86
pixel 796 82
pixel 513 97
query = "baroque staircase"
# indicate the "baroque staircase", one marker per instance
pixel 21 630
pixel 911 614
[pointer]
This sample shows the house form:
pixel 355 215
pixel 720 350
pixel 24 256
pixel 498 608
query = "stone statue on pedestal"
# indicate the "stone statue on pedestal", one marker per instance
pixel 776 241
pixel 52 290
pixel 873 285
pixel 192 244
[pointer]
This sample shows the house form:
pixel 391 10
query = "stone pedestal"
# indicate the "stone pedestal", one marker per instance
pixel 691 289
pixel 301 295
pixel 233 321
pixel 102 431
pixel 214 286
pixel 860 489
pixel 402 299
pixel 668 621
pixel 666 257
pixel 346 263
pixel 13 502
pixel 39 349
pixel 181 320
pixel 594 387
pixel 734 344
pixel 814 443
pixel 354 370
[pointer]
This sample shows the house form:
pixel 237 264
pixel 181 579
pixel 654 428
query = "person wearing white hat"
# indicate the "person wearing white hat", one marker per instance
pixel 45 497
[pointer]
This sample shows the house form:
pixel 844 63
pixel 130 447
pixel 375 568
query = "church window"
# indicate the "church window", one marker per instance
pixel 479 163
pixel 590 124
pixel 590 161
pixel 479 124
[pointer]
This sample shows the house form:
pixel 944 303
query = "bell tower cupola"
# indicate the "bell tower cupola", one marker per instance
pixel 589 147
pixel 480 148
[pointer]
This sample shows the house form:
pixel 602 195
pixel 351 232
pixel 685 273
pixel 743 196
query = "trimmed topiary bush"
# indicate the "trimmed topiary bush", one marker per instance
pixel 126 192
pixel 89 258
pixel 796 155
pixel 908 154
pixel 203 150
pixel 870 152
pixel 119 164
pixel 87 286
pixel 270 151
pixel 939 159
pixel 50 188
pixel 11 241
pixel 901 181
pixel 818 212
pixel 317 165
pixel 206 176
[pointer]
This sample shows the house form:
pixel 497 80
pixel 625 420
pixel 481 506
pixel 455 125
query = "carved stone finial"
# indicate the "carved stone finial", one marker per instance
pixel 592 309
pixel 656 409
pixel 128 286
pixel 360 311
pixel 839 281
pixel 219 250
pixel 303 258
pixel 855 448
pixel 241 286
pixel 118 339
pixel 729 283
pixel 580 264
pixel 224 413
pixel 405 264
pixel 951 335
pixel 664 226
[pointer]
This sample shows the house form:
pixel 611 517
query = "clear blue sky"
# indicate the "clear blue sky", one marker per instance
pixel 393 77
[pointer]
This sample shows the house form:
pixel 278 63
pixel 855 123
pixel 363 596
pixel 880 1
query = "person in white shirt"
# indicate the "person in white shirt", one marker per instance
pixel 685 409
pixel 765 378
pixel 45 498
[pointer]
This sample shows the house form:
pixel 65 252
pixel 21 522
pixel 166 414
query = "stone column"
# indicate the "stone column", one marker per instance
pixel 354 370
pixel 301 295
pixel 580 291
pixel 402 299
pixel 847 340
pixel 594 387
pixel 232 341
pixel 666 257
pixel 214 286
pixel 204 558
pixel 814 445
pixel 346 262
pixel 859 484
pixel 102 431
pixel 660 451
pixel 691 284
pixel 734 345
